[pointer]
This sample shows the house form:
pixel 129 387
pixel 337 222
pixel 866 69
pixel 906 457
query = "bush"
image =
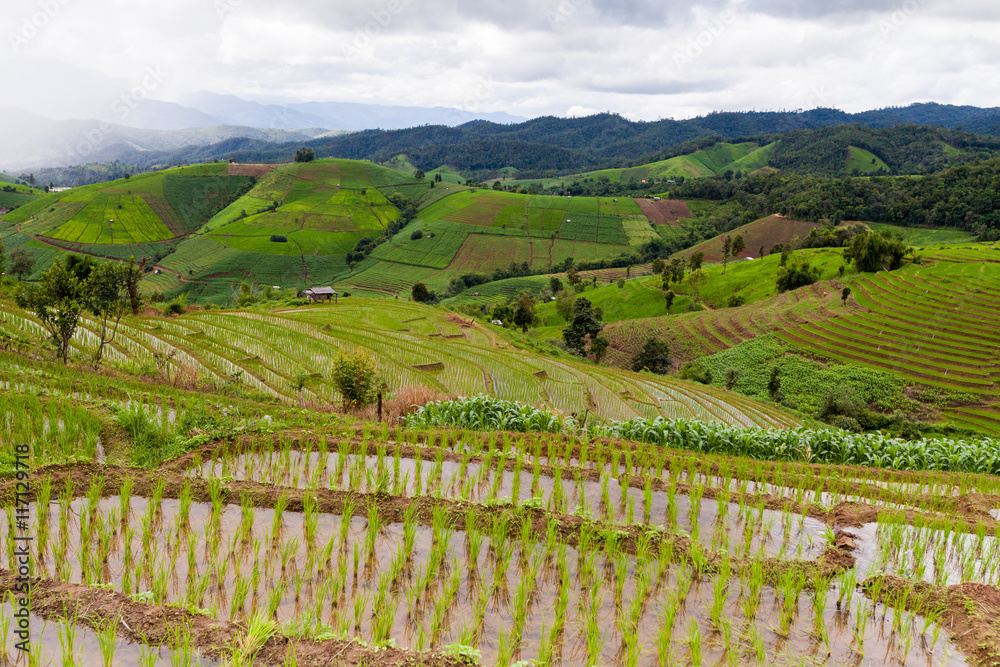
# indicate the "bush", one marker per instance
pixel 174 308
pixel 695 370
pixel 736 300
pixel 654 357
pixel 840 400
pixel 847 423
pixel 418 234
pixel 355 374
pixel 278 238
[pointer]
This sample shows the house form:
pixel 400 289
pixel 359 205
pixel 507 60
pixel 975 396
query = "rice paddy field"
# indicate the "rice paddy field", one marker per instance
pixel 174 526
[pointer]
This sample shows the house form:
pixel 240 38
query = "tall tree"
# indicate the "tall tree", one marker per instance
pixel 695 260
pixel 106 293
pixel 585 323
pixel 57 301
pixel 695 280
pixel 21 263
pixel 525 315
pixel 727 247
pixel 3 257
pixel 739 245
pixel 654 357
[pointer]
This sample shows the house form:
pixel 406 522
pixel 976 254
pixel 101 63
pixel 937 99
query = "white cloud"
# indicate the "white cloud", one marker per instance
pixel 635 57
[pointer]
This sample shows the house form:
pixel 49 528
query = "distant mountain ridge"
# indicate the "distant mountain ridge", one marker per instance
pixel 545 145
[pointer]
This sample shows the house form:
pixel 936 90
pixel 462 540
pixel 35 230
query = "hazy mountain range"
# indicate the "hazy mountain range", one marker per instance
pixel 110 130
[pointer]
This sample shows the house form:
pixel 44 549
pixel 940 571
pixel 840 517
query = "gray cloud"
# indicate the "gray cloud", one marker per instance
pixel 643 58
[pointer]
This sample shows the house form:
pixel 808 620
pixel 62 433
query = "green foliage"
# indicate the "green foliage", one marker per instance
pixel 305 155
pixel 799 274
pixel 697 371
pixel 419 292
pixel 57 301
pixel 654 357
pixel 585 323
pixel 883 251
pixel 355 374
pixel 485 413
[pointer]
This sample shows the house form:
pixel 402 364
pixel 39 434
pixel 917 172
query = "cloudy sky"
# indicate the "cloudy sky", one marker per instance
pixel 645 59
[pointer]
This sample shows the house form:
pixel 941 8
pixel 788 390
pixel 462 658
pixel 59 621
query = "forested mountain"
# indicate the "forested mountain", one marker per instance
pixel 814 141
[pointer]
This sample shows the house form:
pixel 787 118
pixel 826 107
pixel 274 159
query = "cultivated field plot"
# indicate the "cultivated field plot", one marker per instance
pixel 933 324
pixel 385 545
pixel 413 345
pixel 108 218
pixel 765 233
pixel 664 211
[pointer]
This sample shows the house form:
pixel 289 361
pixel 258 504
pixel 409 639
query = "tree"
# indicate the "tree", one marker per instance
pixel 564 304
pixel 573 278
pixel 57 301
pixel 657 265
pixel 620 282
pixel 419 292
pixel 555 285
pixel 107 297
pixel 845 294
pixel 419 175
pixel 305 155
pixel 677 269
pixel 695 280
pixel 669 296
pixel 654 357
pixel 80 265
pixel 876 252
pixel 3 257
pixel 795 276
pixel 355 375
pixel 739 245
pixel 774 383
pixel 598 347
pixel 524 314
pixel 585 323
pixel 21 263
pixel 732 376
pixel 695 260
pixel 727 247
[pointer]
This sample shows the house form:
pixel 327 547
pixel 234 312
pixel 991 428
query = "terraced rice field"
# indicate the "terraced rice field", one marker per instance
pixel 935 324
pixel 266 351
pixel 386 545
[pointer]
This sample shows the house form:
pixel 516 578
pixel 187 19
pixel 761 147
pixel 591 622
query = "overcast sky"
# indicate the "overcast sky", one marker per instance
pixel 645 59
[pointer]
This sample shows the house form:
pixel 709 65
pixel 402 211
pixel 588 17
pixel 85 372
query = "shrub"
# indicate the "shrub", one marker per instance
pixel 355 374
pixel 278 238
pixel 418 234
pixel 840 400
pixel 175 307
pixel 654 356
pixel 695 370
pixel 736 300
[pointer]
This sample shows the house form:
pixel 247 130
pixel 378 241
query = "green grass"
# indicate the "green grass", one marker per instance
pixel 863 161
pixel 915 236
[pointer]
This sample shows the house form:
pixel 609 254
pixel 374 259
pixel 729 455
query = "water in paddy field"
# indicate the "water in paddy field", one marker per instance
pixel 924 554
pixel 59 642
pixel 745 530
pixel 452 586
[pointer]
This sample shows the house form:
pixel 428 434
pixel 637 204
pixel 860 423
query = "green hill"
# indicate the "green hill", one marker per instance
pixel 722 157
